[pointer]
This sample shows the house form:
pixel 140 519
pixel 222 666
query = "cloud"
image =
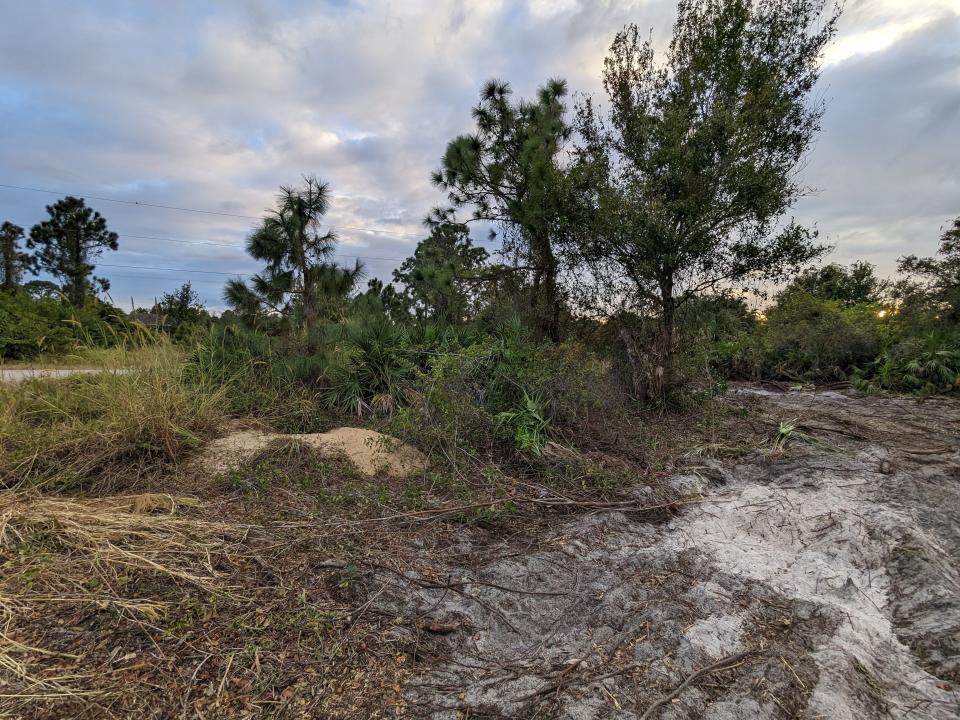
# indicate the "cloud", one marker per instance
pixel 215 105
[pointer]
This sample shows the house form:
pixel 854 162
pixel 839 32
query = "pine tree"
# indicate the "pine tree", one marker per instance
pixel 68 243
pixel 508 171
pixel 299 274
pixel 13 262
pixel 438 278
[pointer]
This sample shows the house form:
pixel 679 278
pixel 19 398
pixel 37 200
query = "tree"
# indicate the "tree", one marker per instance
pixel 686 180
pixel 937 278
pixel 508 172
pixel 68 243
pixel 180 308
pixel 299 277
pixel 850 286
pixel 386 300
pixel 440 277
pixel 13 262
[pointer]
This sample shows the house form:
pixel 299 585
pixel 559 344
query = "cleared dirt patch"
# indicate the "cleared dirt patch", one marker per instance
pixel 817 579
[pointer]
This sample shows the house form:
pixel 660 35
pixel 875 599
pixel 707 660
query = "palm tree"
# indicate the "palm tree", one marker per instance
pixel 299 272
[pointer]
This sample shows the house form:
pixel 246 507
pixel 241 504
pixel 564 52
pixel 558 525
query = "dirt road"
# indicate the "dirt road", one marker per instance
pixel 818 578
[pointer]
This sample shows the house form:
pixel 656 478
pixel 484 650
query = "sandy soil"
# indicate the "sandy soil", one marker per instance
pixel 371 452
pixel 15 375
pixel 819 578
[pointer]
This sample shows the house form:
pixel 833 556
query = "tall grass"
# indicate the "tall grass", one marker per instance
pixel 259 376
pixel 138 414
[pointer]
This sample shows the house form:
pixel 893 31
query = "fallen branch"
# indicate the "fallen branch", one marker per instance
pixel 717 666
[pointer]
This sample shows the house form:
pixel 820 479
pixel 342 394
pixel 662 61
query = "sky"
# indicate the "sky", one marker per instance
pixel 213 105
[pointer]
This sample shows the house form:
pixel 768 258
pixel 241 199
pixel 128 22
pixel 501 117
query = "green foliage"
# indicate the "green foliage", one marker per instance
pixel 854 285
pixel 439 280
pixel 924 365
pixel 257 376
pixel 508 172
pixel 526 424
pixel 821 339
pixel 13 263
pixel 299 280
pixel 49 326
pixel 180 311
pixel 934 285
pixel 503 386
pixel 369 366
pixel 67 244
pixel 684 184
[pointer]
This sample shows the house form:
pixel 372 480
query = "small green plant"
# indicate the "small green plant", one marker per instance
pixel 789 434
pixel 530 429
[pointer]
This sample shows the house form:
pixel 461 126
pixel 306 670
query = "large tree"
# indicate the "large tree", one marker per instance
pixel 299 276
pixel 67 244
pixel 13 262
pixel 440 279
pixel 687 176
pixel 508 172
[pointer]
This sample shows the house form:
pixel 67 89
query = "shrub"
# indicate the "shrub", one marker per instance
pixel 924 365
pixel 817 339
pixel 369 367
pixel 257 375
pixel 526 425
pixel 505 387
pixel 30 327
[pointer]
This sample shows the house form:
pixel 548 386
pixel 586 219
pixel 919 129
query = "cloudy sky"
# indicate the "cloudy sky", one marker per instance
pixel 212 105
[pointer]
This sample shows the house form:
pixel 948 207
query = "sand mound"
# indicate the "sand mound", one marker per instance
pixel 371 452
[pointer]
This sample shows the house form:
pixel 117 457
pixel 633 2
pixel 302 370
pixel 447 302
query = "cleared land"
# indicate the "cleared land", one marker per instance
pixel 791 555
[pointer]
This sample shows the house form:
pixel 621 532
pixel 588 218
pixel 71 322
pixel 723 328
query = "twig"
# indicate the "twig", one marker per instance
pixel 719 665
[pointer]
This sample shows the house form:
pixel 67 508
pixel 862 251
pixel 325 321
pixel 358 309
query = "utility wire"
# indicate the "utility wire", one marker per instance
pixel 166 269
pixel 132 202
pixel 239 247
pixel 196 210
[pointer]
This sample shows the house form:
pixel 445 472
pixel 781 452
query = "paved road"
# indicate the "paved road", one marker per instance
pixel 13 375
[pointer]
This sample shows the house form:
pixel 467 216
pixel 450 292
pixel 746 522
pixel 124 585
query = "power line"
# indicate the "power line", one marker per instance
pixel 194 281
pixel 132 202
pixel 166 269
pixel 202 212
pixel 190 270
pixel 239 247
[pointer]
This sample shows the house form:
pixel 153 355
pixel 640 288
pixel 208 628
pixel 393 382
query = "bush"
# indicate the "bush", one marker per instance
pixel 32 327
pixel 812 339
pixel 924 365
pixel 369 367
pixel 505 392
pixel 258 376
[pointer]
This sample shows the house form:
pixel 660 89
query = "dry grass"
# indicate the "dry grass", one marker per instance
pixel 87 429
pixel 59 552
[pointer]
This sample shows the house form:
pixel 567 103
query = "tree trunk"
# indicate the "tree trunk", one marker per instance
pixel 9 263
pixel 78 277
pixel 637 371
pixel 665 372
pixel 546 289
pixel 309 312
